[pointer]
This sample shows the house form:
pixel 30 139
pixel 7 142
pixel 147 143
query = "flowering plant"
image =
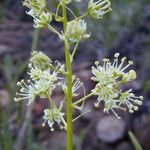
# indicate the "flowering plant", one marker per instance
pixel 46 75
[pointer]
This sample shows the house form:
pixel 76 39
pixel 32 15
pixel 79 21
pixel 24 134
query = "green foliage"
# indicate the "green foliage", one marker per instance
pixel 134 141
pixel 12 75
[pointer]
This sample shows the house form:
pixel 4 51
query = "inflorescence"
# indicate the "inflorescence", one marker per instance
pixel 45 75
pixel 42 82
pixel 109 76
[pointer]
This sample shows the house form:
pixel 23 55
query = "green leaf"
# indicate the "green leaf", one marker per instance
pixel 134 141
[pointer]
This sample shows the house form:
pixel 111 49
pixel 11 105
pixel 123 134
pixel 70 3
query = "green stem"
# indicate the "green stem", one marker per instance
pixel 61 72
pixel 55 31
pixel 82 99
pixel 83 16
pixel 69 109
pixel 75 49
pixel 69 99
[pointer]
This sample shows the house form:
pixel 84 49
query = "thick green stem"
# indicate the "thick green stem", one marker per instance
pixel 69 99
pixel 69 109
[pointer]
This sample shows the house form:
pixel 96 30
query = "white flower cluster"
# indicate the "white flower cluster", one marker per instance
pixel 42 82
pixel 37 11
pixel 109 77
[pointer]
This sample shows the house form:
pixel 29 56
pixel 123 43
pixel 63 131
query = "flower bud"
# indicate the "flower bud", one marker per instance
pixel 130 76
pixel 76 31
pixel 99 8
pixel 36 7
pixel 40 60
pixel 43 20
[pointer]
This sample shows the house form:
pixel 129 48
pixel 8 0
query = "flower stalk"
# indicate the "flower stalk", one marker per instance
pixel 69 109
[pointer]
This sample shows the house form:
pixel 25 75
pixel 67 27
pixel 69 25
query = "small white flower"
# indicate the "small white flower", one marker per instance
pixel 99 8
pixel 46 84
pixel 103 74
pixel 119 69
pixel 54 115
pixel 35 73
pixel 76 31
pixel 130 100
pixel 27 92
pixel 112 105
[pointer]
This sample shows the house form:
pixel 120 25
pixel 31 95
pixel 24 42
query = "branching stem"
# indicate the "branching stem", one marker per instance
pixel 61 72
pixel 82 99
pixel 75 49
pixel 83 16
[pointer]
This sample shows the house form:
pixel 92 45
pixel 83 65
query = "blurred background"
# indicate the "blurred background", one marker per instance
pixel 126 30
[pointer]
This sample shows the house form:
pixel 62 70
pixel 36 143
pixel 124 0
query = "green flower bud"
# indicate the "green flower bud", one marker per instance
pixel 130 76
pixel 40 60
pixel 99 8
pixel 76 31
pixel 43 20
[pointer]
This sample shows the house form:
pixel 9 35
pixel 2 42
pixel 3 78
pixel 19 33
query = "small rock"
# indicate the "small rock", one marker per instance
pixel 109 129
